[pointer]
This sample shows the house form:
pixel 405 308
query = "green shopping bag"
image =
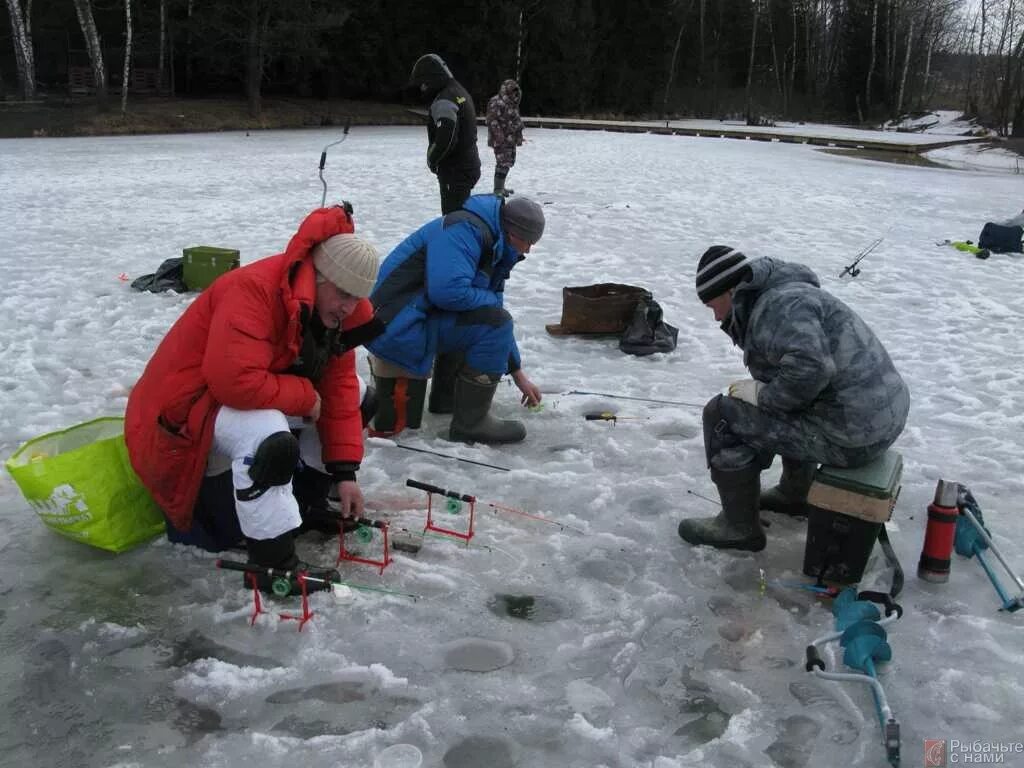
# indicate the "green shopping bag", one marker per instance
pixel 81 484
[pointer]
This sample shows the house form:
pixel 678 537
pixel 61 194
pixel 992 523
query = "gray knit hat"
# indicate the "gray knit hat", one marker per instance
pixel 720 269
pixel 523 218
pixel 348 262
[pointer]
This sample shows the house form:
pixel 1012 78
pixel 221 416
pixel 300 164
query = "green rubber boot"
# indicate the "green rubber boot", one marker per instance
pixel 442 383
pixel 738 525
pixel 471 419
pixel 789 497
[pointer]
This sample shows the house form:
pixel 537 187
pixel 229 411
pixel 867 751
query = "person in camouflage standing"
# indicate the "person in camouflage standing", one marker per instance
pixel 504 131
pixel 823 391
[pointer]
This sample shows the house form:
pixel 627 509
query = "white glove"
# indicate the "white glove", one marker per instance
pixel 746 390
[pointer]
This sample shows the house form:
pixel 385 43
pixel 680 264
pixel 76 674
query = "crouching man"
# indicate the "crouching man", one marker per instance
pixel 823 391
pixel 441 293
pixel 262 355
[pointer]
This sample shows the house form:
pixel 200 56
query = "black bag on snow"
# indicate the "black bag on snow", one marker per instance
pixel 169 276
pixel 1001 239
pixel 647 332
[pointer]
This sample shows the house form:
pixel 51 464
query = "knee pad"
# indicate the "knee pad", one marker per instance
pixel 715 428
pixel 275 460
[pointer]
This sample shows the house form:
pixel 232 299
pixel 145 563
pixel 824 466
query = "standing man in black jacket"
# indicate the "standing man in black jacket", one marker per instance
pixel 451 130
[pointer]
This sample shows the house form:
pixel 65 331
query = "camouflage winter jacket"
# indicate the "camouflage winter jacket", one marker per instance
pixel 816 356
pixel 504 126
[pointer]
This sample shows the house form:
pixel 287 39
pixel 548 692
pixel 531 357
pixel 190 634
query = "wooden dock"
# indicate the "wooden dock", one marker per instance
pixel 822 136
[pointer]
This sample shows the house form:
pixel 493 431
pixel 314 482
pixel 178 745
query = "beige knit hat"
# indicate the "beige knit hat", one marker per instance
pixel 348 262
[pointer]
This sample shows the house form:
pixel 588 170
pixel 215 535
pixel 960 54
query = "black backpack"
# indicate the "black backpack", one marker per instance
pixel 999 238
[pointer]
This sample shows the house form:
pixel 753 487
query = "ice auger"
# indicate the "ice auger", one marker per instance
pixel 972 540
pixel 860 630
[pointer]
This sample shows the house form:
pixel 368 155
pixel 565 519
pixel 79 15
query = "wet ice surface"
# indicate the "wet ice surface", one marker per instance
pixel 636 650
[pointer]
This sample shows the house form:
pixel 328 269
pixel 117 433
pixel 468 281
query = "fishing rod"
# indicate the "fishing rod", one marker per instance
pixel 284 582
pixel 454 503
pixel 512 510
pixel 764 522
pixel 614 418
pixel 323 160
pixel 324 585
pixel 701 496
pixel 852 269
pixel 449 456
pixel 412 542
pixel 627 397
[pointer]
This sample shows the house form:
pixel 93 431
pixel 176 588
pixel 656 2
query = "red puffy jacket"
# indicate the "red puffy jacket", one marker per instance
pixel 232 347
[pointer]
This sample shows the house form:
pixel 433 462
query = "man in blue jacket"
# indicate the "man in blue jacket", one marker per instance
pixel 441 291
pixel 452 153
pixel 824 390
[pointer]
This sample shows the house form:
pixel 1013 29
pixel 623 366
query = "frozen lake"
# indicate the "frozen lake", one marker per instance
pixel 637 651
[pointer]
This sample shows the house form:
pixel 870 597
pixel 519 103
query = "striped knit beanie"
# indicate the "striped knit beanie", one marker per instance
pixel 720 269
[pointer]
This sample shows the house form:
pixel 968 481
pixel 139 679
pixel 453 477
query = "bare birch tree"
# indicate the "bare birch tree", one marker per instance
pixel 21 36
pixel 779 73
pixel 906 67
pixel 675 56
pixel 525 12
pixel 92 43
pixel 700 61
pixel 127 70
pixel 753 50
pixel 162 46
pixel 871 59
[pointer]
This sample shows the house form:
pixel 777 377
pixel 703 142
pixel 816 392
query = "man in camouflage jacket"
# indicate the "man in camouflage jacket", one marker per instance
pixel 504 131
pixel 824 390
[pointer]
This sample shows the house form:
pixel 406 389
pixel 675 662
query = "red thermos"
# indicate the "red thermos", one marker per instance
pixel 937 552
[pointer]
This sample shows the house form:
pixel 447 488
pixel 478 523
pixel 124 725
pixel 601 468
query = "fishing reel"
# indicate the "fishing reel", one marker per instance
pixel 365 535
pixel 452 506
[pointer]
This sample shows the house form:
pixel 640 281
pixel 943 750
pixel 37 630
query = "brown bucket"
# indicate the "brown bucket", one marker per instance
pixel 605 308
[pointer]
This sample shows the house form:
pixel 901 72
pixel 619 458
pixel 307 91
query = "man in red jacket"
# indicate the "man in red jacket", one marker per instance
pixel 265 352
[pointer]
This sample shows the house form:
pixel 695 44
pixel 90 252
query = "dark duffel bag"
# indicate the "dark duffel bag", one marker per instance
pixel 1000 239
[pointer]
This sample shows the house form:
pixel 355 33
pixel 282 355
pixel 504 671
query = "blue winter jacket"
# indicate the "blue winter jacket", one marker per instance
pixel 439 269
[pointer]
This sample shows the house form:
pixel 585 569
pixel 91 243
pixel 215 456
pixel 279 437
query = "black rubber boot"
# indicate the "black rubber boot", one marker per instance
pixel 789 497
pixel 442 383
pixel 738 525
pixel 471 420
pixel 313 489
pixel 368 408
pixel 279 553
pixel 499 184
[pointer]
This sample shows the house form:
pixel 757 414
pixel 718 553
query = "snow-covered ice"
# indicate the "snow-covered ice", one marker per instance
pixel 647 652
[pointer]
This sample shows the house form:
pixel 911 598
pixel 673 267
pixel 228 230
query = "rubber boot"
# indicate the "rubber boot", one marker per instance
pixel 368 408
pixel 320 512
pixel 789 497
pixel 442 384
pixel 738 525
pixel 398 404
pixel 499 184
pixel 279 553
pixel 471 420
